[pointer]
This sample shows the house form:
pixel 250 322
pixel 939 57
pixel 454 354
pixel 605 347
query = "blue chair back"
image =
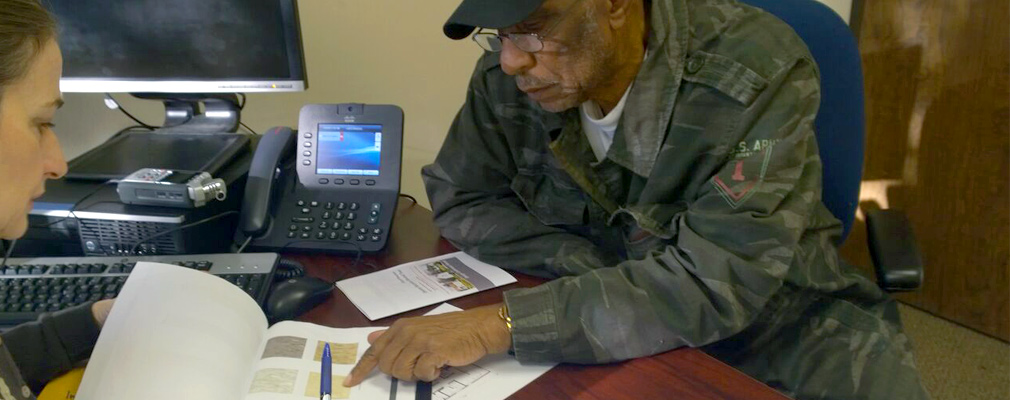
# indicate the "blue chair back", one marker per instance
pixel 840 122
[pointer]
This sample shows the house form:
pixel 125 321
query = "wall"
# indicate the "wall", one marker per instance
pixel 842 7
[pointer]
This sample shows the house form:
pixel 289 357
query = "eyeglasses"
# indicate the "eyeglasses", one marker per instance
pixel 527 42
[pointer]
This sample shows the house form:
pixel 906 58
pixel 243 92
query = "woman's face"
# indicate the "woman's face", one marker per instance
pixel 29 151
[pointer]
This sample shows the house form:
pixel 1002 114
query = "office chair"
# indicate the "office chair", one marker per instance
pixel 840 128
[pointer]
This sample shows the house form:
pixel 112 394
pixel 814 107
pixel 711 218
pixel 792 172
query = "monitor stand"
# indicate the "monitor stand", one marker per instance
pixel 197 112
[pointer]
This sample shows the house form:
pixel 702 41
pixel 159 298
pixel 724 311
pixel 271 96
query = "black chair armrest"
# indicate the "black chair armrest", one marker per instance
pixel 896 257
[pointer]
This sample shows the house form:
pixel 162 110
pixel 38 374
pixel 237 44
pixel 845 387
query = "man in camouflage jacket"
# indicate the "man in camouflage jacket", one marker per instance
pixel 703 226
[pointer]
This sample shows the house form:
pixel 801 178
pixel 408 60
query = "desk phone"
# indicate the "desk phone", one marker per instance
pixel 330 186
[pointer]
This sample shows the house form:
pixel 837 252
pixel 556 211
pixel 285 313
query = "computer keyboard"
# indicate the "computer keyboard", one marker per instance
pixel 31 286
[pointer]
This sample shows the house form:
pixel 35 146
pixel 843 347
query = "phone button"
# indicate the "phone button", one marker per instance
pixel 348 226
pixel 303 219
pixel 293 227
pixel 376 238
pixel 339 182
pixel 370 182
pixel 323 181
pixel 377 231
pixel 345 236
pixel 320 235
pixel 291 235
pixel 373 220
pixel 314 204
pixel 306 153
pixel 306 162
pixel 306 211
pixel 327 215
pixel 351 216
pixel 308 135
pixel 355 181
pixel 305 235
pixel 354 206
pixel 341 205
pixel 333 235
pixel 307 144
pixel 324 225
pixel 361 238
pixel 376 206
pixel 301 203
pixel 363 230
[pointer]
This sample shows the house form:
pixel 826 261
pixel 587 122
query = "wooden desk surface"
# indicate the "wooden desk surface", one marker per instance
pixel 679 374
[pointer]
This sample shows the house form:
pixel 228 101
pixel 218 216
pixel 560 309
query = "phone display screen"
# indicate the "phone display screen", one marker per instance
pixel 349 149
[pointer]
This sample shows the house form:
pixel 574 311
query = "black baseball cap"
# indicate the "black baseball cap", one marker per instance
pixel 493 14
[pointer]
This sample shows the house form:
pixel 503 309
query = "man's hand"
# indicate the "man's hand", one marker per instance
pixel 418 348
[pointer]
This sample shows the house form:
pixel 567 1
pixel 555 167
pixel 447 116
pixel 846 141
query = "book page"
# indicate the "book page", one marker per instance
pixel 175 333
pixel 289 368
pixel 290 362
pixel 420 283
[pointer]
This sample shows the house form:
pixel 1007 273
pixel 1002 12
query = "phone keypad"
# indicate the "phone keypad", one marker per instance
pixel 335 221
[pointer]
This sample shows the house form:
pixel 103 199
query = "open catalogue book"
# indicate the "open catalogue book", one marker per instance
pixel 176 333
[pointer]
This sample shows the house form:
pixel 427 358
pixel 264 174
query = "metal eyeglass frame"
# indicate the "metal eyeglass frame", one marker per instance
pixel 527 42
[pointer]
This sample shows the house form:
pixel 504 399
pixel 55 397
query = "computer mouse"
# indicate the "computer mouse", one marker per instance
pixel 293 297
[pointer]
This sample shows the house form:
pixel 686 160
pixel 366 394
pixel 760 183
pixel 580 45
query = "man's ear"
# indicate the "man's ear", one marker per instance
pixel 618 11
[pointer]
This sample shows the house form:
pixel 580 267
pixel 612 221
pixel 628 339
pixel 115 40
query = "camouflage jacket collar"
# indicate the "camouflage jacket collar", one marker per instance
pixel 643 126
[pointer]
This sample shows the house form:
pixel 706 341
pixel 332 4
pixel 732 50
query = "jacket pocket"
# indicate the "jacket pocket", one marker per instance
pixel 549 198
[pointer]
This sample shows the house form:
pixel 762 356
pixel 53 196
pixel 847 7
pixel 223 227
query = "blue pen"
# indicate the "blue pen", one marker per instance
pixel 324 379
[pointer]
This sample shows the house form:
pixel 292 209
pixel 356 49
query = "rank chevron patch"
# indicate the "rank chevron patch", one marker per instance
pixel 739 181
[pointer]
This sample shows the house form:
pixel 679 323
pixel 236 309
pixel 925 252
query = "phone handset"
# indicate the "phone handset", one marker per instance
pixel 275 144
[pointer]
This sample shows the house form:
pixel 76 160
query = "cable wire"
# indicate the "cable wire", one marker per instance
pixel 244 244
pixel 250 129
pixel 7 253
pixel 409 197
pixel 123 110
pixel 73 208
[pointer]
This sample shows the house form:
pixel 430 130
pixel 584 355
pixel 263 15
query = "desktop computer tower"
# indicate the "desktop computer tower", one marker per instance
pixel 101 225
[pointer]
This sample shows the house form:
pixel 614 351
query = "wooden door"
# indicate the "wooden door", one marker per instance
pixel 938 147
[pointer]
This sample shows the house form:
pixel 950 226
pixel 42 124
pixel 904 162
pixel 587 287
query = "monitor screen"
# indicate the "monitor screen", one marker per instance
pixel 179 46
pixel 349 149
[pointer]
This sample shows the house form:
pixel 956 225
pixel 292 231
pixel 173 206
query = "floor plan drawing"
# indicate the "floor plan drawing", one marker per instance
pixel 454 380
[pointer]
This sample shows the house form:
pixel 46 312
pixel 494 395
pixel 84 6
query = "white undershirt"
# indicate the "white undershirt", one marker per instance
pixel 598 128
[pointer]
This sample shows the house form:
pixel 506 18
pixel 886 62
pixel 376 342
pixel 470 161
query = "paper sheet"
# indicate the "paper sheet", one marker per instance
pixel 420 283
pixel 175 333
pixel 492 378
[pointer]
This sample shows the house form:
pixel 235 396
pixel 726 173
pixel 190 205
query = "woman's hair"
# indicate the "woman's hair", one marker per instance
pixel 25 27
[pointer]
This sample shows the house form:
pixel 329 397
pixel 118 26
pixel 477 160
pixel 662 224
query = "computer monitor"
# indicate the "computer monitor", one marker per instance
pixel 179 46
